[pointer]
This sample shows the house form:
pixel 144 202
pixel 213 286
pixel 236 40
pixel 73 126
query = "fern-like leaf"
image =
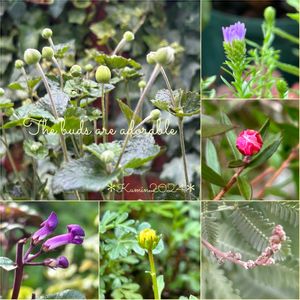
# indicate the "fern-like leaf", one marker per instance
pixel 285 211
pixel 208 225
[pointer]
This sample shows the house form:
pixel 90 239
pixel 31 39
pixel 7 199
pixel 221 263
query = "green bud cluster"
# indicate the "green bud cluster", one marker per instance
pixel 32 56
pixel 235 51
pixel 76 71
pixel 163 56
pixel 48 53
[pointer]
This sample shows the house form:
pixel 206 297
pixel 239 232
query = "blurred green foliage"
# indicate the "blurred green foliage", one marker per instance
pixel 122 269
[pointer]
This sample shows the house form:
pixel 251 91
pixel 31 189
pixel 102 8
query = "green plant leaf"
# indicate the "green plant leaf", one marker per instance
pixel 128 113
pixel 16 86
pixel 210 130
pixel 66 294
pixel 163 99
pixel 212 160
pixel 264 128
pixel 190 103
pixel 84 174
pixel 288 68
pixel 7 264
pixel 116 62
pixel 5 103
pixel 159 248
pixel 244 187
pixel 211 176
pixel 160 284
pixel 230 136
pixel 265 154
pixel 236 163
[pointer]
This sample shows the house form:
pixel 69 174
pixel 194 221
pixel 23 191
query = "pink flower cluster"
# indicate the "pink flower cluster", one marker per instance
pixel 249 142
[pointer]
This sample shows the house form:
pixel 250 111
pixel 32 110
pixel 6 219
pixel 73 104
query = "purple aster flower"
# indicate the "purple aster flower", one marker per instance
pixel 47 227
pixel 75 235
pixel 60 262
pixel 236 31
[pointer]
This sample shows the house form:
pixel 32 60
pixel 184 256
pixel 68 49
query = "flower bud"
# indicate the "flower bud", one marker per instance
pixel 48 53
pixel 282 87
pixel 107 156
pixel 128 36
pixel 269 14
pixel 47 33
pixel 19 64
pixel 103 74
pixel 148 239
pixel 155 114
pixel 88 67
pixel 249 142
pixel 151 58
pixel 32 56
pixel 35 146
pixel 165 55
pixel 60 262
pixel 1 92
pixel 75 71
pixel 142 84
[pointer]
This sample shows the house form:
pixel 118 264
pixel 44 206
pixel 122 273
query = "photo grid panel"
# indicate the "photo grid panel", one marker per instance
pixel 249 150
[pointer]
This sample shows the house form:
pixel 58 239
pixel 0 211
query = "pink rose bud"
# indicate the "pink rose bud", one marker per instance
pixel 249 142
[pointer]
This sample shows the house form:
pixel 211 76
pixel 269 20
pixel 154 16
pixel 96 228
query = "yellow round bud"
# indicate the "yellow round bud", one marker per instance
pixel 76 71
pixel 32 56
pixel 47 33
pixel 128 36
pixel 19 64
pixel 142 84
pixel 48 53
pixel 155 114
pixel 148 239
pixel 103 74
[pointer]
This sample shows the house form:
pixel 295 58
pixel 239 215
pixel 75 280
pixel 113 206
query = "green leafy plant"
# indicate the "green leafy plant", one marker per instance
pixel 125 244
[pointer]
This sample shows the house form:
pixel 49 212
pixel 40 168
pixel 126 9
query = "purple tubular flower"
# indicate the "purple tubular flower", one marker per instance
pixel 233 32
pixel 60 262
pixel 75 235
pixel 47 227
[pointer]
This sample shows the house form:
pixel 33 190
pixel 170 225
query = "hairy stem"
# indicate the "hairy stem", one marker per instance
pixel 137 110
pixel 104 115
pixel 153 275
pixel 19 270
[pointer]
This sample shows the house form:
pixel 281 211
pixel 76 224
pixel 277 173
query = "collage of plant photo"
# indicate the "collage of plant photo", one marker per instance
pixel 149 149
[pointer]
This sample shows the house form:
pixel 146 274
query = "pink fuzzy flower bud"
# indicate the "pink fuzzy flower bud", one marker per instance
pixel 249 142
pixel 278 230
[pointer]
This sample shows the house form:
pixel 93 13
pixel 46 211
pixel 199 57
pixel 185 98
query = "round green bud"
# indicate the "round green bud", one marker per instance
pixel 1 92
pixel 165 55
pixel 19 64
pixel 48 53
pixel 88 67
pixel 107 156
pixel 103 74
pixel 128 36
pixel 148 239
pixel 47 33
pixel 75 71
pixel 32 56
pixel 142 84
pixel 269 14
pixel 155 114
pixel 35 146
pixel 151 58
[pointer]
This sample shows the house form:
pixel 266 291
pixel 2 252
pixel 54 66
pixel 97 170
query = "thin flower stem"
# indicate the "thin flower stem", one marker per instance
pixel 19 270
pixel 230 183
pixel 34 256
pixel 152 78
pixel 95 129
pixel 119 47
pixel 104 115
pixel 153 275
pixel 51 43
pixel 59 71
pixel 27 82
pixel 181 133
pixel 62 139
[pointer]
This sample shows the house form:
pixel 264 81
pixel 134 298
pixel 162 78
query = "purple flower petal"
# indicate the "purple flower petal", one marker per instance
pixel 62 262
pixel 233 32
pixel 47 227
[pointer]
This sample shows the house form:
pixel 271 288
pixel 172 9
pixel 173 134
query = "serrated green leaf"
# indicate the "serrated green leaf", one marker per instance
pixel 211 176
pixel 7 264
pixel 39 151
pixel 84 174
